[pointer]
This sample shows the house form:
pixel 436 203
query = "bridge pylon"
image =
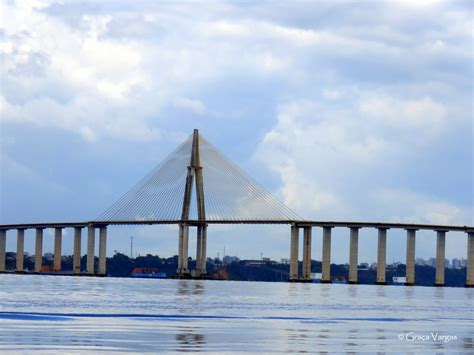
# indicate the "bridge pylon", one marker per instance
pixel 194 177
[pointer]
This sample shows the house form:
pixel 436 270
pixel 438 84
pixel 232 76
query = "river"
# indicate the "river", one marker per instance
pixel 77 314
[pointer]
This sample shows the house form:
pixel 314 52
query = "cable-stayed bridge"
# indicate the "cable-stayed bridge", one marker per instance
pixel 197 186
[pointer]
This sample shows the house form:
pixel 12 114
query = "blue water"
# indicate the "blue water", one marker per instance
pixel 78 314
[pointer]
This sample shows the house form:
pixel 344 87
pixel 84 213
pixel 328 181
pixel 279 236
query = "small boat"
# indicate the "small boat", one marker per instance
pixel 147 272
pixel 399 280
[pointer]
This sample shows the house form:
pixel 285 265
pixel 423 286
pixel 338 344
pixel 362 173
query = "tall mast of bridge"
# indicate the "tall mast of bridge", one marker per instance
pixel 194 174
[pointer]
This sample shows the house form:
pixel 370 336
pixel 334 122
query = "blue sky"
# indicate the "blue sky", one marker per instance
pixel 344 110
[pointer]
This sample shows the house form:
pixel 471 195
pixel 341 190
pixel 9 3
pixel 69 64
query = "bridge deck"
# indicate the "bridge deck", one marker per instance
pixel 344 224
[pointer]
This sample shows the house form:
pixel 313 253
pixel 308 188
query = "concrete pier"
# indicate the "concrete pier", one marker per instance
pixel 39 249
pixel 294 253
pixel 381 256
pixel 90 249
pixel 204 250
pixel 470 260
pixel 410 264
pixel 3 246
pixel 180 249
pixel 440 256
pixel 353 255
pixel 199 250
pixel 58 236
pixel 20 249
pixel 102 250
pixel 307 236
pixel 76 262
pixel 326 267
pixel 185 250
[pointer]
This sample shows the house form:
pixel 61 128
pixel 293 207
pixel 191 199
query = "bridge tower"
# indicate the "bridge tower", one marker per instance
pixel 194 175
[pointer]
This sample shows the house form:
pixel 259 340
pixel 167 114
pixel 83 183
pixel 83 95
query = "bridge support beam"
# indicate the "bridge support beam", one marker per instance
pixel 294 253
pixel 39 249
pixel 440 256
pixel 20 249
pixel 326 267
pixel 203 266
pixel 410 264
pixel 90 249
pixel 58 236
pixel 3 250
pixel 381 256
pixel 470 260
pixel 199 250
pixel 76 261
pixel 353 255
pixel 183 249
pixel 307 236
pixel 102 250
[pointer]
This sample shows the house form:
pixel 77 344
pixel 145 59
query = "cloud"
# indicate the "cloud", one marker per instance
pixel 356 112
pixel 343 161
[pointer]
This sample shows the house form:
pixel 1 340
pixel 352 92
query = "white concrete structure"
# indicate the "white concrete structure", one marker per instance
pixel 90 249
pixel 307 236
pixel 440 256
pixel 326 267
pixel 410 264
pixel 58 236
pixel 3 243
pixel 381 256
pixel 39 249
pixel 76 262
pixel 353 255
pixel 20 249
pixel 294 253
pixel 102 250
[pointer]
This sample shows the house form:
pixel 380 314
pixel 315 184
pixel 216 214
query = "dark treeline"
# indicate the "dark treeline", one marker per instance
pixel 120 265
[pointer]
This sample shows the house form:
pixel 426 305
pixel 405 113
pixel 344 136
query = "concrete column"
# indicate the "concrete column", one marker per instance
pixel 440 255
pixel 90 249
pixel 3 244
pixel 353 255
pixel 185 248
pixel 180 249
pixel 20 249
pixel 39 249
pixel 381 256
pixel 204 250
pixel 76 262
pixel 326 267
pixel 410 265
pixel 58 236
pixel 294 253
pixel 470 260
pixel 103 250
pixel 199 250
pixel 307 253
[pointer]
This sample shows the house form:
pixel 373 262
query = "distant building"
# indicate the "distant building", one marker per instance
pixel 432 262
pixel 456 263
pixel 421 261
pixel 363 266
pixel 447 263
pixel 230 259
pixel 285 261
pixel 256 263
pixel 463 262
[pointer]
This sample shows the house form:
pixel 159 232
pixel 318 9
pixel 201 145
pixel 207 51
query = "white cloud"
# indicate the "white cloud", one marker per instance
pixel 331 159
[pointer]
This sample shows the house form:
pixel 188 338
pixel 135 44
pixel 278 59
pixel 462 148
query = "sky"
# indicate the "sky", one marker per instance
pixel 343 110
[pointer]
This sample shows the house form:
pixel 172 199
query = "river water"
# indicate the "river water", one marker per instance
pixel 77 314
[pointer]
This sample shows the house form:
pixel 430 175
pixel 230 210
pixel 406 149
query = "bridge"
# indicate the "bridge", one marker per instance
pixel 224 195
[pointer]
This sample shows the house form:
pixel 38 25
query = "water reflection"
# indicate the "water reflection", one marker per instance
pixel 189 340
pixel 190 287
